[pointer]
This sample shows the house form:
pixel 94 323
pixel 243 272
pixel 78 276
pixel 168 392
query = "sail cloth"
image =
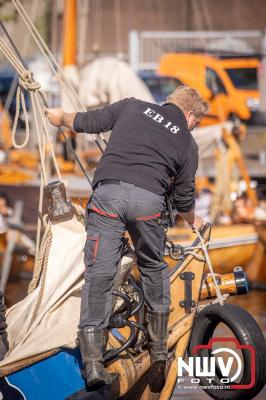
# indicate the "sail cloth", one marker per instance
pixel 209 137
pixel 107 79
pixel 56 323
pixel 104 81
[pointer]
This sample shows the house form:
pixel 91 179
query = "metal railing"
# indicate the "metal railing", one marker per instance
pixel 146 48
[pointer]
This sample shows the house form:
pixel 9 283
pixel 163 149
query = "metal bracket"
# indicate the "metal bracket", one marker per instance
pixel 187 303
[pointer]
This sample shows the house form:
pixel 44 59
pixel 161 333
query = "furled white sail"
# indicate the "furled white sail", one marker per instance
pixel 57 319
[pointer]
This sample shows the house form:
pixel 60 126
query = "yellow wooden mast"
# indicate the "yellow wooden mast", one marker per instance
pixel 70 33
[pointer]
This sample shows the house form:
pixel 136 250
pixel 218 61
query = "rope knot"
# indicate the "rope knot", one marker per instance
pixel 27 82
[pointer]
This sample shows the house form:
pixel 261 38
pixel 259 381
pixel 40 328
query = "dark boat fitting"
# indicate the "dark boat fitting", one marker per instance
pixel 59 208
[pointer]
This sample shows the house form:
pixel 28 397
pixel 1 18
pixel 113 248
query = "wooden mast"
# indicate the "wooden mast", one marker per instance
pixel 70 33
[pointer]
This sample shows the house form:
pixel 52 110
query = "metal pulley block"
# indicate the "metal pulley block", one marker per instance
pixel 59 208
pixel 176 251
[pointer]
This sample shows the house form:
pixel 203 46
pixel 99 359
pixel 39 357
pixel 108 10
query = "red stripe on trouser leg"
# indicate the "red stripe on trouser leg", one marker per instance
pixel 148 217
pixel 102 212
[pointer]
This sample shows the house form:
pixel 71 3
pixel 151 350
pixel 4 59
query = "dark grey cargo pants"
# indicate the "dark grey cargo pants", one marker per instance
pixel 113 209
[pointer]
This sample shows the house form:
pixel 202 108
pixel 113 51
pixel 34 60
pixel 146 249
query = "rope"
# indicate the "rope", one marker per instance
pixel 40 145
pixel 44 123
pixel 20 102
pixel 41 270
pixel 25 82
pixel 26 42
pixel 208 261
pixel 66 86
pixel 42 258
pixel 68 89
pixel 196 256
pixel 39 224
pixel 179 253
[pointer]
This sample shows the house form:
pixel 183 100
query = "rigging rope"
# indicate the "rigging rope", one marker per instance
pixel 41 270
pixel 178 252
pixel 55 67
pixel 42 260
pixel 209 263
pixel 26 82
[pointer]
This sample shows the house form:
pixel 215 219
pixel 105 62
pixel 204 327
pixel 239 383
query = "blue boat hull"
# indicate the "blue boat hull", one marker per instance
pixel 54 378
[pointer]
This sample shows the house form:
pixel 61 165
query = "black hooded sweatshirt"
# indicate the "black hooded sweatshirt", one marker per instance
pixel 149 144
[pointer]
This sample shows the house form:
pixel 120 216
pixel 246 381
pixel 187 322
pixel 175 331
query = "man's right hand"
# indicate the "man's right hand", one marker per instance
pixel 192 219
pixel 198 223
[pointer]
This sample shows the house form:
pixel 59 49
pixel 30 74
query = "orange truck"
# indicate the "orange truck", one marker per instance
pixel 228 84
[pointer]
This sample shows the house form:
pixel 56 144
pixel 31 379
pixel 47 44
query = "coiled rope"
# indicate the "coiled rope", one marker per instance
pixel 40 269
pixel 25 82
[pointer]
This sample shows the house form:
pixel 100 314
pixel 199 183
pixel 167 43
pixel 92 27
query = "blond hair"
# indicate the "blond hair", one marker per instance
pixel 188 99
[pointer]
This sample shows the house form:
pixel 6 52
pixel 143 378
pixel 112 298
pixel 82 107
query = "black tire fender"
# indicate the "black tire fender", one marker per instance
pixel 246 330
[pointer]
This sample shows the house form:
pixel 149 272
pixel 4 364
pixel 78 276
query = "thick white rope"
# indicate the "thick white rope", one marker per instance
pixel 39 224
pixel 55 67
pixel 26 82
pixel 46 52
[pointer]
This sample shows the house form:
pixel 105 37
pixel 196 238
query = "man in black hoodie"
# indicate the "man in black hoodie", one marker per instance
pixel 150 145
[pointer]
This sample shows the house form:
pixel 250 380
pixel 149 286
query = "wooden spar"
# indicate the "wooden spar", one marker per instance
pixel 70 33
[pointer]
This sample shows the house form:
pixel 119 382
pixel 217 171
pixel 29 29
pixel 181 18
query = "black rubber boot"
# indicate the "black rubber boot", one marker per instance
pixel 92 343
pixel 158 332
